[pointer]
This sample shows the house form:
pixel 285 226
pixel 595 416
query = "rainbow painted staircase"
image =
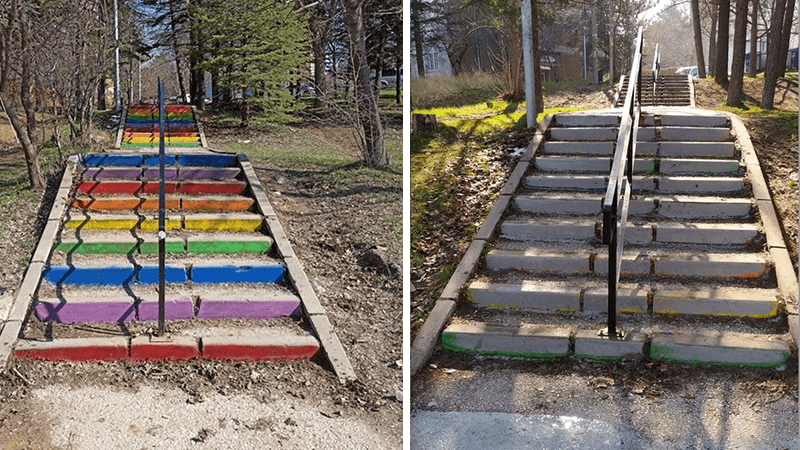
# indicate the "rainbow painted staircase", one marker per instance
pixel 235 289
pixel 141 127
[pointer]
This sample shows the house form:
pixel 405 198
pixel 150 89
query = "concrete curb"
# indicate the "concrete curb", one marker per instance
pixel 423 346
pixel 319 320
pixel 24 296
pixel 787 278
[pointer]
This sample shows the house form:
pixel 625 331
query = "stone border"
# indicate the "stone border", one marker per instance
pixel 316 313
pixel 423 346
pixel 121 129
pixel 784 272
pixel 24 296
pixel 691 92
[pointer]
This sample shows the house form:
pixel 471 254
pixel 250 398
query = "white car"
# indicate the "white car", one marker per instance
pixel 691 70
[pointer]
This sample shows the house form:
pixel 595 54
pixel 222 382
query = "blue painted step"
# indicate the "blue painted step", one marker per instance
pixel 125 275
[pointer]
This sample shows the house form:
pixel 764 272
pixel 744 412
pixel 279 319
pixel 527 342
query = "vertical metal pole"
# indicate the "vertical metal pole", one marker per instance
pixel 117 100
pixel 612 281
pixel 527 63
pixel 162 234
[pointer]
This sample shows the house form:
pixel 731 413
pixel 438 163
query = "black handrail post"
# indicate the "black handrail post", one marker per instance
pixel 162 234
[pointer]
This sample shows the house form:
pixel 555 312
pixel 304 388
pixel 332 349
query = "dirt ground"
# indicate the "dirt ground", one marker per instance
pixel 330 227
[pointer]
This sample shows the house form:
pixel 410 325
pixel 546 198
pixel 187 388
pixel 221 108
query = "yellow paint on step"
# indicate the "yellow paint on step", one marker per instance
pixel 151 224
pixel 102 224
pixel 222 224
pixel 184 139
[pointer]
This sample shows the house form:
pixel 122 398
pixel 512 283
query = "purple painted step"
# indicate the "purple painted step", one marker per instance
pixel 129 173
pixel 177 309
pixel 243 306
pixel 209 173
pixel 109 310
pixel 151 173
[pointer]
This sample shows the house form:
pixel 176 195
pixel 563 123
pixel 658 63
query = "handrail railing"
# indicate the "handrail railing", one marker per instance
pixel 618 193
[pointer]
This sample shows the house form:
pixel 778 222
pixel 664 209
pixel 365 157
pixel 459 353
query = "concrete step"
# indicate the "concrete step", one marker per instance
pixel 172 202
pixel 663 184
pixel 604 148
pixel 583 134
pixel 668 166
pixel 534 341
pixel 681 206
pixel 695 120
pixel 549 229
pixel 255 343
pixel 101 242
pixel 695 134
pixel 587 120
pixel 634 262
pixel 589 296
pixel 122 274
pixel 77 219
pixel 110 304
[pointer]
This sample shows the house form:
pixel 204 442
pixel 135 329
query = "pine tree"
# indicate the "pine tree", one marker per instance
pixel 257 47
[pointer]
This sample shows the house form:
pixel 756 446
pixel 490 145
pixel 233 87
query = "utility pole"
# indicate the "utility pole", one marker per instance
pixel 527 64
pixel 117 100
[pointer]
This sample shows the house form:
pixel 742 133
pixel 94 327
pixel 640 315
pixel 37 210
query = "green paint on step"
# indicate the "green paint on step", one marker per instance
pixel 116 248
pixel 449 342
pixel 666 354
pixel 229 246
pixel 96 248
pixel 169 246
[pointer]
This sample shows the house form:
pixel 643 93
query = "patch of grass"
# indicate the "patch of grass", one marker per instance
pixel 443 276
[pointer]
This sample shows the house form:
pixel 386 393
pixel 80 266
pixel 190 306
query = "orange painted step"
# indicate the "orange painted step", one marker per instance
pixel 123 203
pixel 217 203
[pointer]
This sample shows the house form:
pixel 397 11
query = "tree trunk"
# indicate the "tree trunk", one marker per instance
pixel 416 29
pixel 398 81
pixel 712 42
pixel 698 39
pixel 101 93
pixel 721 64
pixel 774 58
pixel 319 40
pixel 753 69
pixel 374 150
pixel 786 32
pixel 612 31
pixel 735 91
pixel 515 83
pixel 31 154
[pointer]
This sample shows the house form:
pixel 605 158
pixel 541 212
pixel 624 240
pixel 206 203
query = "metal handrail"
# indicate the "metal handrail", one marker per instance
pixel 618 193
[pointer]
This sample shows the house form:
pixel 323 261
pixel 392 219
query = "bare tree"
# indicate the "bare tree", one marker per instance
pixel 774 57
pixel 721 63
pixel 698 39
pixel 735 90
pixel 370 130
pixel 753 69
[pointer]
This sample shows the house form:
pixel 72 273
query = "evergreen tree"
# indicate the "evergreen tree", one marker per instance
pixel 257 47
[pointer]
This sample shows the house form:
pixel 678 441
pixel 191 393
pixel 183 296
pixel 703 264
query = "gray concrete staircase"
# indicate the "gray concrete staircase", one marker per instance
pixel 671 89
pixel 697 285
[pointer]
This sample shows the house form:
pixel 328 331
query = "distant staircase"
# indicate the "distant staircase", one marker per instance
pixel 141 127
pixel 669 89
